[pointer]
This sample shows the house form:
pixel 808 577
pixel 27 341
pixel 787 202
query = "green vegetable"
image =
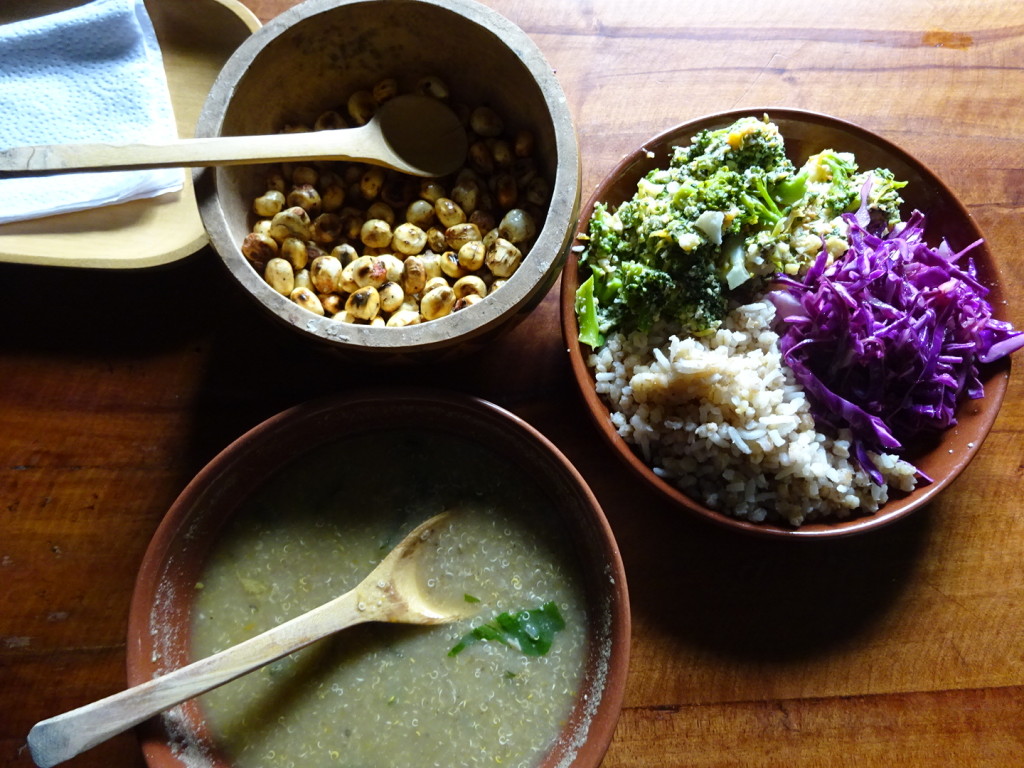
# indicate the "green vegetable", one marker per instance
pixel 729 209
pixel 586 311
pixel 530 632
pixel 658 255
pixel 830 184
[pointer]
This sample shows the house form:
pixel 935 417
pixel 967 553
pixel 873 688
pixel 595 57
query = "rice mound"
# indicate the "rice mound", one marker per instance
pixel 721 417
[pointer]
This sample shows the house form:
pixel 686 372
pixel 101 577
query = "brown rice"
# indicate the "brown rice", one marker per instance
pixel 721 417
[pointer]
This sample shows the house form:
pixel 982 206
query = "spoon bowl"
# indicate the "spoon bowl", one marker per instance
pixel 410 133
pixel 392 592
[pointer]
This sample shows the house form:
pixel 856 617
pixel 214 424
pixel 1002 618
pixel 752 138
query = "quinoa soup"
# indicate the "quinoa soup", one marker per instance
pixel 393 695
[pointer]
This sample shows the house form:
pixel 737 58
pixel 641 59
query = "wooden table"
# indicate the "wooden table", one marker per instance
pixel 903 647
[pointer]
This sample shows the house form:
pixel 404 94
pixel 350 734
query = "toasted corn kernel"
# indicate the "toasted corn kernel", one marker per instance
pixel 466 301
pixel 525 171
pixel 399 190
pixel 506 190
pixel 345 253
pixel 523 144
pixel 364 304
pixel 466 194
pixel 259 248
pixel 326 228
pixel 450 265
pixel 291 222
pixel 393 266
pixel 305 174
pixel 434 283
pixel 333 197
pixel 280 276
pixel 431 190
pixel 448 212
pixel 484 220
pixel 391 297
pixel 306 299
pixel 470 285
pixel 376 233
pixel 484 121
pixel 361 107
pixel 458 235
pixel 295 252
pixel 409 239
pixel 503 258
pixel 371 182
pixel 414 275
pixel 269 203
pixel 490 237
pixel 404 317
pixel 431 85
pixel 276 182
pixel 332 303
pixel 368 270
pixel 435 239
pixel 302 279
pixel 480 157
pixel 537 191
pixel 383 211
pixel 385 89
pixel 421 213
pixel 437 302
pixel 517 226
pixel 502 152
pixel 329 121
pixel 325 273
pixel 431 264
pixel 471 255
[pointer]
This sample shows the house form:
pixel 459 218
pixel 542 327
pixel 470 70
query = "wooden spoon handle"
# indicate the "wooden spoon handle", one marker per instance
pixel 62 737
pixel 357 144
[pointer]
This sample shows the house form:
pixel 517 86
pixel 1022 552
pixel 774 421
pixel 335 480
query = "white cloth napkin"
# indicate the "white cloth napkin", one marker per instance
pixel 93 73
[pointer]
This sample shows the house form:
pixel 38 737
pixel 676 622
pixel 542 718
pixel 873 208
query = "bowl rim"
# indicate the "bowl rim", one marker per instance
pixel 995 376
pixel 594 717
pixel 539 269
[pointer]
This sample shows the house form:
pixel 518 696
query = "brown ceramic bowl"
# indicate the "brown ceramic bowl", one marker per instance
pixel 308 60
pixel 160 617
pixel 806 133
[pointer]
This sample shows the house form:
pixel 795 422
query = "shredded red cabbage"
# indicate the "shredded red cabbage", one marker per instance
pixel 888 338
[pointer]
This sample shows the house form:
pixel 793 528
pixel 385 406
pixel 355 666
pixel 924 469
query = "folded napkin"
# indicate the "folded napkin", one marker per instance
pixel 93 73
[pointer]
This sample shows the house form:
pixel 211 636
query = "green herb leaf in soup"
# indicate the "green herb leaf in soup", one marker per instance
pixel 530 632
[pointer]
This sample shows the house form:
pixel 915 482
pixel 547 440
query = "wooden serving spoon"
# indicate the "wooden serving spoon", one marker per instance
pixel 392 592
pixel 410 133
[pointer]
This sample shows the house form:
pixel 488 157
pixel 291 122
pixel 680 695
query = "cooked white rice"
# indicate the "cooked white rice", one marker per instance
pixel 722 418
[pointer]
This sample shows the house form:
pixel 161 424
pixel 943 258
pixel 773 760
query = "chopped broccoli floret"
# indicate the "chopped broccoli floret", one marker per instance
pixel 729 208
pixel 884 195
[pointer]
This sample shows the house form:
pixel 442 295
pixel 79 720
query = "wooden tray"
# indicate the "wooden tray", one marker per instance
pixel 196 37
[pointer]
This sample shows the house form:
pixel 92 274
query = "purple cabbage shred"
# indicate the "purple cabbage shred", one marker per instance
pixel 888 338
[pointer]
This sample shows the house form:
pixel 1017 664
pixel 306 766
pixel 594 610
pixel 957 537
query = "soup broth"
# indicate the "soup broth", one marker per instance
pixel 382 694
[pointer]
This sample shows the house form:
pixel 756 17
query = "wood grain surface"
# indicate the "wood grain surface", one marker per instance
pixel 902 647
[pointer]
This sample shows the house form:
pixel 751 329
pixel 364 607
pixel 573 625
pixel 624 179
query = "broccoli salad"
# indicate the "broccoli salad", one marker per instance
pixel 878 332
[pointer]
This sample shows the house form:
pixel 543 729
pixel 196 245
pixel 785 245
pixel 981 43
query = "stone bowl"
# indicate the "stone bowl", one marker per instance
pixel 163 609
pixel 806 133
pixel 309 60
